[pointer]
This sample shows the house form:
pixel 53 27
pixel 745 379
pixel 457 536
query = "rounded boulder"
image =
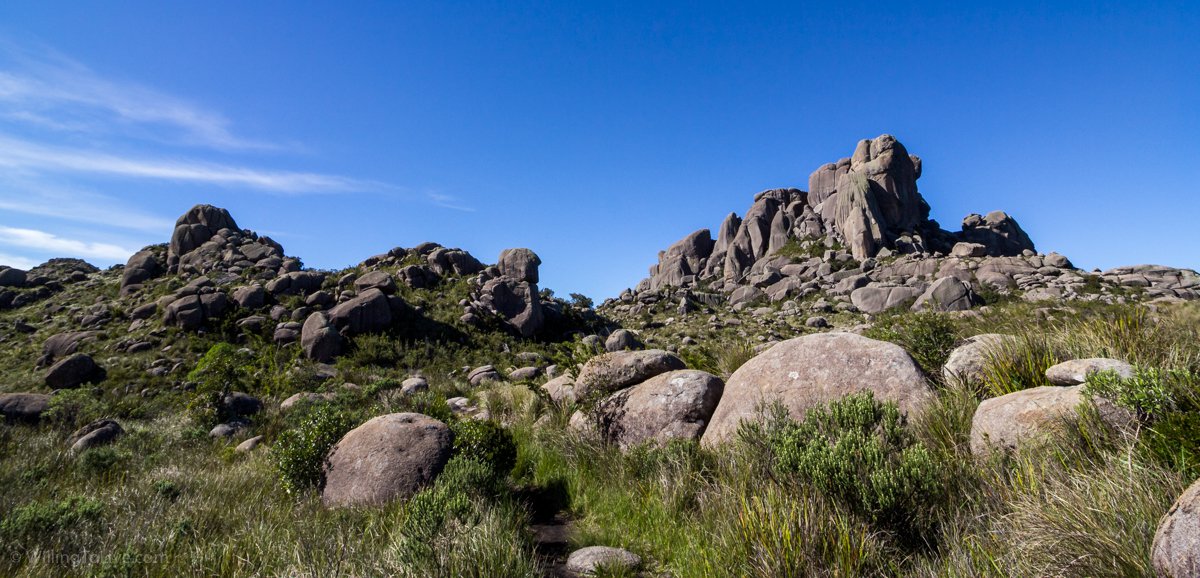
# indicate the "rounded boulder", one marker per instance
pixel 814 370
pixel 388 457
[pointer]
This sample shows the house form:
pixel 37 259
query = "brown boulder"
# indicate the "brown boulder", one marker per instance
pixel 1007 421
pixel 610 372
pixel 674 405
pixel 1176 549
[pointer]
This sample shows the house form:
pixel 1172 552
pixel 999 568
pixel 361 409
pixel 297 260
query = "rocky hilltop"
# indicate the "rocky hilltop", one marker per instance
pixel 862 236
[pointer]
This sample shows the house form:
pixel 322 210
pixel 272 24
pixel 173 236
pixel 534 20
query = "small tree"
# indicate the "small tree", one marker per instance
pixel 222 370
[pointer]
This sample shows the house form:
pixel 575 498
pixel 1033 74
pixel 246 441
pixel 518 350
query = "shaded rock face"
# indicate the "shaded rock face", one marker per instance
pixel 686 259
pixel 196 227
pixel 141 267
pixel 611 372
pixel 1010 420
pixel 1175 552
pixel 367 313
pixel 63 344
pixel 73 372
pixel 673 405
pixel 319 340
pixel 10 277
pixel 388 457
pixel 445 262
pixel 23 407
pixel 999 234
pixel 813 370
pixel 946 294
pixel 95 434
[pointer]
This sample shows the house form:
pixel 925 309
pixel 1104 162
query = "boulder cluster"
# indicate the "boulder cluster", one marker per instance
pixel 862 234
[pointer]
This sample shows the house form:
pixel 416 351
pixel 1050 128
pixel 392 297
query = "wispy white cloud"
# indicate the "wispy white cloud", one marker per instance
pixel 448 202
pixel 19 153
pixel 17 261
pixel 43 87
pixel 52 244
pixel 70 203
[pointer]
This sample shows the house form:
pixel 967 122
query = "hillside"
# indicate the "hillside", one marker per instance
pixel 832 385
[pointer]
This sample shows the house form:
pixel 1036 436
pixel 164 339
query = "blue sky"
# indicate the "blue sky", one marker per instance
pixel 594 133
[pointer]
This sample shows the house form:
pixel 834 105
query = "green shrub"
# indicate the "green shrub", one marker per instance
pixel 486 442
pixel 98 461
pixel 1166 402
pixel 927 336
pixel 721 360
pixel 72 408
pixel 1147 393
pixel 42 518
pixel 299 452
pixel 860 452
pixel 224 368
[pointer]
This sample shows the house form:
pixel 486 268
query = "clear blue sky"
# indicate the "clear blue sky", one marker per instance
pixel 595 134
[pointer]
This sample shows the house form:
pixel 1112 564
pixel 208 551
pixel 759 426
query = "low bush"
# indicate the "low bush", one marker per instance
pixel 927 336
pixel 299 452
pixel 42 518
pixel 485 442
pixel 859 451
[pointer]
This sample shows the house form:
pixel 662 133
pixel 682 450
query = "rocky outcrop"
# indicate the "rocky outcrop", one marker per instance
pixel 673 405
pixel 997 232
pixel 510 292
pixel 194 228
pixel 388 457
pixel 368 312
pixel 813 370
pixel 141 267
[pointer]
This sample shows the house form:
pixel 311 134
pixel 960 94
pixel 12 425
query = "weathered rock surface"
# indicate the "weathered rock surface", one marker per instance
pixel 621 340
pixel 673 405
pixel 1007 421
pixel 611 372
pixel 587 561
pixel 390 456
pixel 1077 371
pixel 813 370
pixel 968 361
pixel 1175 552
pixel 320 341
pixel 369 312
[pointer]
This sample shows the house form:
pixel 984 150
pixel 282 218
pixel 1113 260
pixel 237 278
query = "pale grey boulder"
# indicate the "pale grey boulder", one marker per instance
pixel 95 434
pixel 519 264
pixel 813 370
pixel 1078 371
pixel 320 341
pixel 967 362
pixel 946 294
pixel 879 299
pixel 1007 422
pixel 592 559
pixel 668 406
pixel 621 340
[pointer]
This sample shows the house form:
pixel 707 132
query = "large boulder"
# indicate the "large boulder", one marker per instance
pixel 64 344
pixel 1078 371
pixel 319 340
pixel 879 299
pixel 610 372
pixel 141 267
pixel 95 434
pixel 516 302
pixel 519 264
pixel 196 227
pixel 1010 420
pixel 73 372
pixel 376 280
pixel 673 405
pixel 369 312
pixel 250 296
pixel 622 339
pixel 814 370
pixel 192 311
pixel 682 261
pixel 1175 552
pixel 968 361
pixel 10 277
pixel 946 294
pixel 23 407
pixel 390 456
